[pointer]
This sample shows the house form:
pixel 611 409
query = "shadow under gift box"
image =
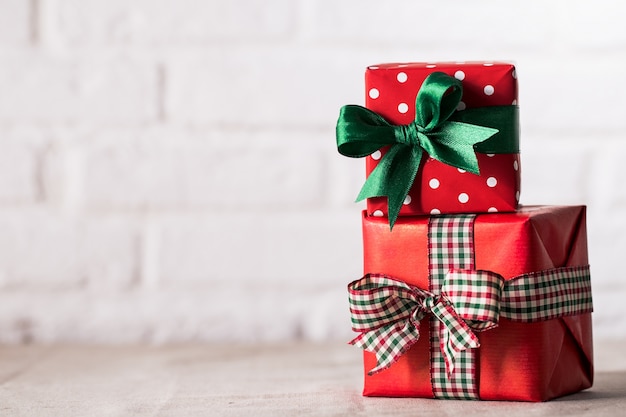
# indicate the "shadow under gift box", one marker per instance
pixel 439 188
pixel 516 361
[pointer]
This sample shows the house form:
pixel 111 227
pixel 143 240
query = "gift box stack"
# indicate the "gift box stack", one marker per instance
pixel 466 294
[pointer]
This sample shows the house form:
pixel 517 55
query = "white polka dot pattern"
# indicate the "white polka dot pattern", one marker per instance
pixel 440 188
pixel 455 190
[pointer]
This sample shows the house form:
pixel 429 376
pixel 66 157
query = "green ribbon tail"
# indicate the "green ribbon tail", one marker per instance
pixel 453 144
pixel 392 178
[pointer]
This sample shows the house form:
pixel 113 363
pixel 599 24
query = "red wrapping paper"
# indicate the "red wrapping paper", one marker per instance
pixel 516 361
pixel 438 188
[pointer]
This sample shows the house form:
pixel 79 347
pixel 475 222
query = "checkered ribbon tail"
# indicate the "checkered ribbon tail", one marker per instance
pixel 386 312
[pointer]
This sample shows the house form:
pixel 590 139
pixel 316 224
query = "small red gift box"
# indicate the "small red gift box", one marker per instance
pixel 440 188
pixel 543 351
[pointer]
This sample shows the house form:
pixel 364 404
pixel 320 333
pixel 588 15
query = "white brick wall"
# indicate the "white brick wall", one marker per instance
pixel 168 169
pixel 15 23
pixel 172 22
pixel 71 88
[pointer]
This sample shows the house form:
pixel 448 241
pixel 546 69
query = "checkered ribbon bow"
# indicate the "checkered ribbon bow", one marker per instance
pixel 387 313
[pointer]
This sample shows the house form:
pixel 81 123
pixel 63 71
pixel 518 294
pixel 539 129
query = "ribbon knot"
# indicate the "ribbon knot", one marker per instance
pixel 410 134
pixel 447 135
pixel 429 303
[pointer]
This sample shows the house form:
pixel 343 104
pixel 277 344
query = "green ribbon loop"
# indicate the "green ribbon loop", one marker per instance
pixel 449 136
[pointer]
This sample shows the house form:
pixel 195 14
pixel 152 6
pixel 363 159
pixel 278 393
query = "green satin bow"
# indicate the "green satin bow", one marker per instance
pixel 449 136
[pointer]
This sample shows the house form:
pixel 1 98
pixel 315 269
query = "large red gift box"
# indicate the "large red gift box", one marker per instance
pixel 534 361
pixel 439 188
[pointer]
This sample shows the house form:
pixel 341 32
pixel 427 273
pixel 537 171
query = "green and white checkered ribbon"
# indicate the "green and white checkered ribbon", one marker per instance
pixel 450 248
pixel 387 312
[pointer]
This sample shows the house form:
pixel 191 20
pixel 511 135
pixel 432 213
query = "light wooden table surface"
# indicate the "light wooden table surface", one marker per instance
pixel 280 380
